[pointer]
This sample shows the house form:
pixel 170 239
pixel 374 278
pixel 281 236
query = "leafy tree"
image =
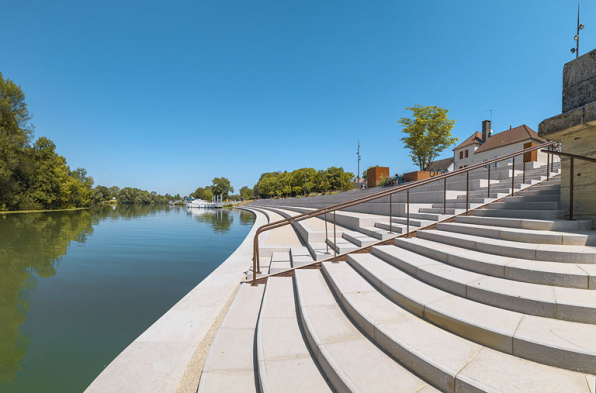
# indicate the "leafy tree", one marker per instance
pixel 247 193
pixel 428 133
pixel 222 186
pixel 198 194
pixel 208 195
pixel 15 136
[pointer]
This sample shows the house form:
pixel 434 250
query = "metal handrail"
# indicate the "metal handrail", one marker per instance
pixel 381 194
pixel 572 157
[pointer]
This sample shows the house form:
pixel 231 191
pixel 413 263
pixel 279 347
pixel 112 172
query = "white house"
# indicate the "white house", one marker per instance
pixel 480 147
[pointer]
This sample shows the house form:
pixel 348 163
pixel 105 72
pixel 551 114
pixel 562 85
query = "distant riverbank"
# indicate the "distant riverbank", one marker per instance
pixel 44 211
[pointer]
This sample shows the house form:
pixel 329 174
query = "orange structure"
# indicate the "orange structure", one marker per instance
pixel 375 174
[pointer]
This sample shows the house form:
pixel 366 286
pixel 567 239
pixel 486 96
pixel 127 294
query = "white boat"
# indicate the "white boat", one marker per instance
pixel 199 203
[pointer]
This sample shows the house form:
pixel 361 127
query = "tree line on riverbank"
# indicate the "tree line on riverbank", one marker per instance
pixel 303 181
pixel 34 177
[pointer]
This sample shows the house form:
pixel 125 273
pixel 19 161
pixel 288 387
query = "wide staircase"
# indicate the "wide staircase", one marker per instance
pixel 499 300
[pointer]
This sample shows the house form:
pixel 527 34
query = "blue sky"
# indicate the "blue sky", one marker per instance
pixel 166 95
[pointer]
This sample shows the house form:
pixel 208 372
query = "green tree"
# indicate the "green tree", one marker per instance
pixel 428 133
pixel 222 186
pixel 208 195
pixel 15 136
pixel 247 193
pixel 198 194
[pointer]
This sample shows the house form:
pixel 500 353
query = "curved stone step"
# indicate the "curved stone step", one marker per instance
pixel 522 235
pixel 536 272
pixel 536 214
pixel 284 361
pixel 229 365
pixel 570 304
pixel 349 360
pixel 545 225
pixel 557 343
pixel 540 252
pixel 515 205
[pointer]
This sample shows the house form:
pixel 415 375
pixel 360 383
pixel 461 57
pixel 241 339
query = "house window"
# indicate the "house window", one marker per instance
pixel 461 155
pixel 466 153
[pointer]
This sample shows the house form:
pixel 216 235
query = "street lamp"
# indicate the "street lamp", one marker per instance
pixel 580 26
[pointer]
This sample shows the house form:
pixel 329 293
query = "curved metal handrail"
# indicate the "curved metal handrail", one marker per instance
pixel 389 192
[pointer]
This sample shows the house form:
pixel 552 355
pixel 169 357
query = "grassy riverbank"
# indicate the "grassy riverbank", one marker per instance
pixel 43 211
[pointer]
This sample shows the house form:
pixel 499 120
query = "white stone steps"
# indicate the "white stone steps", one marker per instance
pixel 448 211
pixel 556 343
pixel 413 221
pixel 429 216
pixel 284 361
pixel 545 225
pixel 569 304
pixel 522 235
pixel 300 256
pixel 536 272
pixel 342 245
pixel 349 360
pixel 514 205
pixel 534 198
pixel 533 214
pixel 280 261
pixel 538 192
pixel 320 250
pixel 359 239
pixel 229 365
pixel 395 227
pixel 541 252
pixel 378 233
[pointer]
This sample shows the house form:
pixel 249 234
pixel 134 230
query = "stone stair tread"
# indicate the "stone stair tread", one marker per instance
pixel 347 357
pixel 549 341
pixel 230 357
pixel 284 361
pixel 527 223
pixel 523 235
pixel 359 239
pixel 527 270
pixel 534 299
pixel 543 252
pixel 520 213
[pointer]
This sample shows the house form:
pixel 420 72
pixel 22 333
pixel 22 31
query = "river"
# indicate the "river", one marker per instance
pixel 77 287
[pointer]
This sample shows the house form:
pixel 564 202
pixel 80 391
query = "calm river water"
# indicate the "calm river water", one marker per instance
pixel 77 287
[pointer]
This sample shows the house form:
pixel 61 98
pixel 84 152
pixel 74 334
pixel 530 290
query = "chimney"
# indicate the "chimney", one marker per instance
pixel 485 130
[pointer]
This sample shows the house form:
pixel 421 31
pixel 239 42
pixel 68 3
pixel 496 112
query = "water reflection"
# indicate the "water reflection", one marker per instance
pixel 219 219
pixel 31 246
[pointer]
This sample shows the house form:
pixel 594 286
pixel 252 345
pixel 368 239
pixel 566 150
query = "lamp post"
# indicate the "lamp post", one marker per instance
pixel 576 38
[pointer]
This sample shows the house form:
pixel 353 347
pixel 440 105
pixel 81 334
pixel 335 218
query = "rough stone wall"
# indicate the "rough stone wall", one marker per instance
pixel 584 180
pixel 575 128
pixel 579 81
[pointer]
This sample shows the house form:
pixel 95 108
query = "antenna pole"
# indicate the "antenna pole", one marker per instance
pixel 577 41
pixel 358 153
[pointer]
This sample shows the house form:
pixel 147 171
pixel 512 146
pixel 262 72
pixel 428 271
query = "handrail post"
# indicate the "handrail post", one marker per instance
pixel 524 170
pixel 513 175
pixel 445 196
pixel 548 164
pixel 326 235
pixel 408 213
pixel 571 189
pixel 488 196
pixel 467 192
pixel 334 237
pixel 390 213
